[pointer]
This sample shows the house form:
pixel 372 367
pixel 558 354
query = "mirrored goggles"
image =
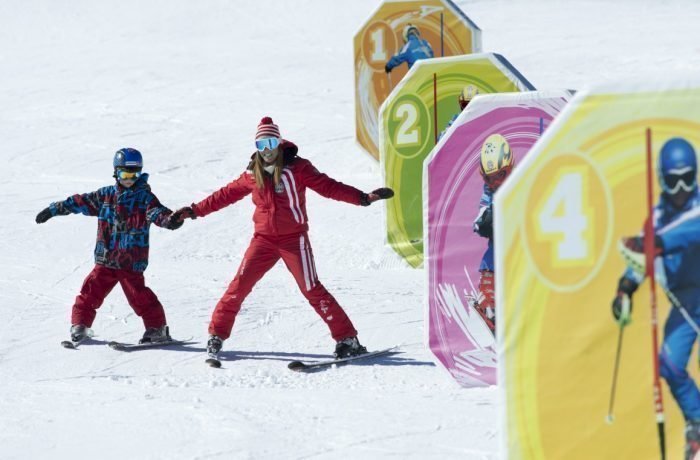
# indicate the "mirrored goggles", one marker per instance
pixel 126 174
pixel 269 143
pixel 673 183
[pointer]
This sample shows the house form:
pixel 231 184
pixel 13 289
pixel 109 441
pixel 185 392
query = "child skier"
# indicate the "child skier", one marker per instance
pixel 277 179
pixel 124 213
pixel 495 166
pixel 677 244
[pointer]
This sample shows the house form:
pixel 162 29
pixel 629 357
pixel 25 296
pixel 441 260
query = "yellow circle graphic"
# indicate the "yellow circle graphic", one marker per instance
pixel 568 222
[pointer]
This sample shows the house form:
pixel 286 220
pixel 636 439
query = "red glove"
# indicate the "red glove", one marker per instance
pixel 636 244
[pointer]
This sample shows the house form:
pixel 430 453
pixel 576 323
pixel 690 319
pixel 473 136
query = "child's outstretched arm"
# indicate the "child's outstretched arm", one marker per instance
pixel 86 203
pixel 160 215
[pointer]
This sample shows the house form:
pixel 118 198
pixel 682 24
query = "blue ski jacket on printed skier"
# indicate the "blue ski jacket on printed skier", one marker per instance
pixel 485 202
pixel 124 216
pixel 414 50
pixel 679 229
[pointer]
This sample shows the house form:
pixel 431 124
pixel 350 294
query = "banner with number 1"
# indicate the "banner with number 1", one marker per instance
pixel 448 31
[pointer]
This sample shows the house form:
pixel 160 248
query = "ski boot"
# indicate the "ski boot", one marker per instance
pixel 79 332
pixel 214 345
pixel 213 348
pixel 156 334
pixel 349 347
pixel 692 439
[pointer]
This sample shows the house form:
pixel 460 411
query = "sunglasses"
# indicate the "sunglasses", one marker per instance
pixel 126 174
pixel 673 183
pixel 269 143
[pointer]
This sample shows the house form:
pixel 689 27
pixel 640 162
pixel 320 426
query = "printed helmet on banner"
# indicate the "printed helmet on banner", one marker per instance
pixel 466 96
pixel 496 161
pixel 410 29
pixel 678 166
pixel 127 158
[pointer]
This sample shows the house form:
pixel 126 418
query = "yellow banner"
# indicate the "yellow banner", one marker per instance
pixel 559 221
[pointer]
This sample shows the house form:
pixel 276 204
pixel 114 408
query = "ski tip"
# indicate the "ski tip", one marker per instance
pixel 296 366
pixel 68 344
pixel 215 363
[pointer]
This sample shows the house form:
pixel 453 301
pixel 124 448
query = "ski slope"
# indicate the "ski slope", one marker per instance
pixel 186 83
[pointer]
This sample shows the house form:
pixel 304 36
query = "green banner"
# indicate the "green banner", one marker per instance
pixel 408 132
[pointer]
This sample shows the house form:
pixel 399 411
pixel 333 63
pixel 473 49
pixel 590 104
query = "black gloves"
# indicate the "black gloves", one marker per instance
pixel 174 222
pixel 622 303
pixel 379 194
pixel 387 69
pixel 178 217
pixel 484 223
pixel 184 213
pixel 43 216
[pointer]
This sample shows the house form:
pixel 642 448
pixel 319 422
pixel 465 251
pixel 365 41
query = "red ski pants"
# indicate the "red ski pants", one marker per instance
pixel 262 254
pixel 101 281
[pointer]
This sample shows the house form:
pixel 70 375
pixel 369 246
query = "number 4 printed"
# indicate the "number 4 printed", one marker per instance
pixel 563 216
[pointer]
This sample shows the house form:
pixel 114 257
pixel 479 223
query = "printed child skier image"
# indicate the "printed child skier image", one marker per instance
pixel 465 97
pixel 677 245
pixel 496 163
pixel 124 211
pixel 277 180
pixel 414 49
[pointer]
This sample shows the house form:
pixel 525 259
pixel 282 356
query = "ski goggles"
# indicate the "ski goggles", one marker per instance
pixel 127 174
pixel 673 183
pixel 496 179
pixel 269 143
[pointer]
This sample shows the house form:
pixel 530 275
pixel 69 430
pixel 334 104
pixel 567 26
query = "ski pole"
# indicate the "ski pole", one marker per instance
pixel 388 77
pixel 609 419
pixel 649 253
pixel 677 304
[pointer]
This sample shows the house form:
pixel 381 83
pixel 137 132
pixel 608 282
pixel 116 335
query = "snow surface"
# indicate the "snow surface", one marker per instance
pixel 186 83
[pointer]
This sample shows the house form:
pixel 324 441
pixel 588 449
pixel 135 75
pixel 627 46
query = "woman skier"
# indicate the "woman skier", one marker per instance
pixel 277 179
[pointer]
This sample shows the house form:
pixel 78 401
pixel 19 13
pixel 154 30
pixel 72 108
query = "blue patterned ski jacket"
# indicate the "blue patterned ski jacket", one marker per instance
pixel 124 216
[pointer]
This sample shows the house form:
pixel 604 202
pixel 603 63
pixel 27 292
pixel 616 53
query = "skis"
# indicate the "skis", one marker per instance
pixel 213 361
pixel 300 366
pixel 141 346
pixel 73 345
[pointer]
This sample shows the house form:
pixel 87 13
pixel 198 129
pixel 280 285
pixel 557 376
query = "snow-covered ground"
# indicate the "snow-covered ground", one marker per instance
pixel 186 83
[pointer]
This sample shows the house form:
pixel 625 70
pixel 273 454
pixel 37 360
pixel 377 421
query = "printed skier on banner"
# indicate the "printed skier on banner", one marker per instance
pixel 496 163
pixel 414 49
pixel 468 93
pixel 124 211
pixel 677 249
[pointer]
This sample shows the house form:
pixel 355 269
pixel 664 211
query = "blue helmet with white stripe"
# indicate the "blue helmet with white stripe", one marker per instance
pixel 127 158
pixel 678 166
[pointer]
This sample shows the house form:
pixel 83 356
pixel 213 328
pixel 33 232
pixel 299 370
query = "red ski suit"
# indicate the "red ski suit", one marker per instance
pixel 281 226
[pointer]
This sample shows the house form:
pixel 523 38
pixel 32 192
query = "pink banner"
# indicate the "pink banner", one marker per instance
pixel 457 336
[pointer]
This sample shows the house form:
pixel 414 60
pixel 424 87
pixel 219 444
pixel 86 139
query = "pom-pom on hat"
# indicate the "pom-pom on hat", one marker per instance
pixel 267 128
